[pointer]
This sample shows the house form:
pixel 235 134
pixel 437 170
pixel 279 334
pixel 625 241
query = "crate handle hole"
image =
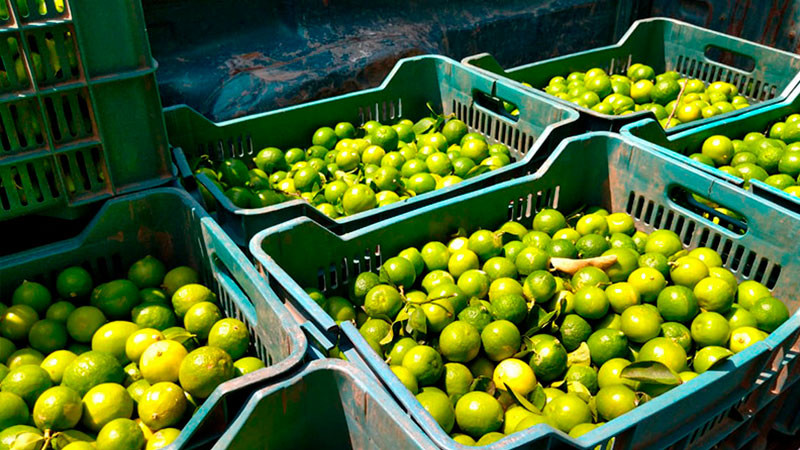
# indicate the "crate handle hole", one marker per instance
pixel 721 215
pixel 496 105
pixel 730 58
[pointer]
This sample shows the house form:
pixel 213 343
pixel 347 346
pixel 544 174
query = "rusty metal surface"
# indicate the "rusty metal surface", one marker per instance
pixel 259 55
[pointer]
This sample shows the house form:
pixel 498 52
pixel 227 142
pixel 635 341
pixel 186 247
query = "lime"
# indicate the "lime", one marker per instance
pixel 678 333
pixel 162 438
pixel 574 330
pixel 477 315
pixel 511 307
pixel 589 276
pixel 708 356
pixel 591 302
pixel 104 403
pixel 406 377
pixel 614 401
pixel 749 291
pixel 435 255
pixel 513 416
pixel 137 389
pixel 84 322
pixel 665 351
pixel 677 303
pixel 28 382
pixel 202 370
pixel 399 272
pixel 179 277
pixel 591 245
pixel 549 221
pixel 539 286
pixel 585 375
pixel 189 295
pixel 153 295
pixel 59 311
pixel 120 434
pixel 439 406
pixel 138 342
pixel 147 272
pixel 769 313
pixel 383 301
pixel 425 364
pixel 568 411
pixel 605 344
pixel 549 359
pixel 710 328
pixel 162 405
pixel 13 410
pixel 74 282
pixel 32 294
pixel 655 261
pixel 24 357
pixel 592 224
pixel 648 282
pixel 154 315
pixel 460 342
pixel 161 361
pixel 561 248
pixel 112 337
pixel 622 296
pixel 340 309
pixel 627 261
pixel 56 362
pixel 7 347
pixel 665 242
pixel 457 379
pixel 47 336
pixel 200 318
pixel 610 374
pixel 478 413
pixel 688 271
pixel 744 337
pixel 514 374
pixel 116 298
pixel 132 374
pixel 714 294
pixel 640 323
pixel 532 420
pixel 500 339
pixel 581 429
pixel 91 369
pixel 17 321
pixel 399 350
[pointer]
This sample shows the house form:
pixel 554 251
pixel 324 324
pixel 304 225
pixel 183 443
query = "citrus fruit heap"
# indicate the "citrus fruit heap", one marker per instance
pixel 640 89
pixel 564 322
pixel 771 156
pixel 348 170
pixel 122 364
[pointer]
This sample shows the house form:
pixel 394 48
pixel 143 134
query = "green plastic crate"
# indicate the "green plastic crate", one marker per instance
pixel 80 114
pixel 447 85
pixel 169 225
pixel 592 169
pixel 762 74
pixel 681 145
pixel 330 404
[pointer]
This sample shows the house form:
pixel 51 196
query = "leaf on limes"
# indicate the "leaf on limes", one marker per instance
pixel 560 384
pixel 477 170
pixel 525 349
pixel 641 398
pixel 417 321
pixel 593 408
pixel 522 401
pixel 581 356
pixel 577 388
pixel 389 336
pixel 538 397
pixel 677 255
pixel 423 126
pixel 26 440
pixel 63 438
pixel 484 384
pixel 571 266
pixel 652 372
pixel 543 319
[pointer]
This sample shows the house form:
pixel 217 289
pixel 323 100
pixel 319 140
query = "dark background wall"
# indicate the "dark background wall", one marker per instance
pixel 254 56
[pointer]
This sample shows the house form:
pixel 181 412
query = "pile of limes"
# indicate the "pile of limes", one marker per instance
pixel 570 323
pixel 643 90
pixel 772 156
pixel 348 170
pixel 108 366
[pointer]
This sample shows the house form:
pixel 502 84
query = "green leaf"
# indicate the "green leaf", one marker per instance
pixel 484 384
pixel 652 372
pixel 593 408
pixel 418 321
pixel 522 401
pixel 544 320
pixel 538 397
pixel 389 336
pixel 477 170
pixel 580 356
pixel 423 126
pixel 560 384
pixel 642 398
pixel 461 232
pixel 525 349
pixel 577 388
pixel 677 255
pixel 26 440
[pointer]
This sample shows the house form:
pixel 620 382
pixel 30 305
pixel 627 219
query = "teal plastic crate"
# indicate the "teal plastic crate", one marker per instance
pixel 80 114
pixel 764 75
pixel 592 169
pixel 169 225
pixel 448 86
pixel 683 144
pixel 330 404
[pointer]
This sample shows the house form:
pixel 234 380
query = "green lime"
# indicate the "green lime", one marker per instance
pixel 439 406
pixel 383 301
pixel 56 363
pixel 104 403
pixel 714 294
pixel 648 282
pixel 139 340
pixel 688 271
pixel 230 335
pixel 47 336
pixel 655 261
pixel 24 357
pixel 749 291
pixel 162 405
pixel 500 339
pixel 708 356
pixel 605 344
pixel 116 298
pixel 573 331
pixel 610 374
pixel 478 413
pixel 17 321
pixel 665 242
pixel 460 342
pixel 591 302
pixel 399 350
pixel 626 263
pixel 769 313
pixel 147 272
pixel 592 224
pixel 162 438
pixel 200 318
pixel 665 351
pixel 246 365
pixel 58 408
pixel 84 322
pixel 549 221
pixel 622 296
pixel 28 382
pixel 189 295
pixel 548 359
pixel 457 379
pixel 425 363
pixel 586 375
pixel 32 294
pixel 710 328
pixel 539 286
pixel 111 339
pixel 640 323
pixel 153 295
pixel 340 309
pixel 589 276
pixel 13 410
pixel 568 411
pixel 406 377
pixel 59 311
pixel 154 315
pixel 677 303
pixel 74 282
pixel 678 333
pixel 591 245
pixel 161 361
pixel 91 369
pixel 614 401
pixel 202 370
pixel 120 434
pixel 477 315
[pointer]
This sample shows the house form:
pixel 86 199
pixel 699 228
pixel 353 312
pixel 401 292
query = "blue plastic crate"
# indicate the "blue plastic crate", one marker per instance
pixel 764 75
pixel 330 404
pixel 593 169
pixel 448 86
pixel 681 145
pixel 169 225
